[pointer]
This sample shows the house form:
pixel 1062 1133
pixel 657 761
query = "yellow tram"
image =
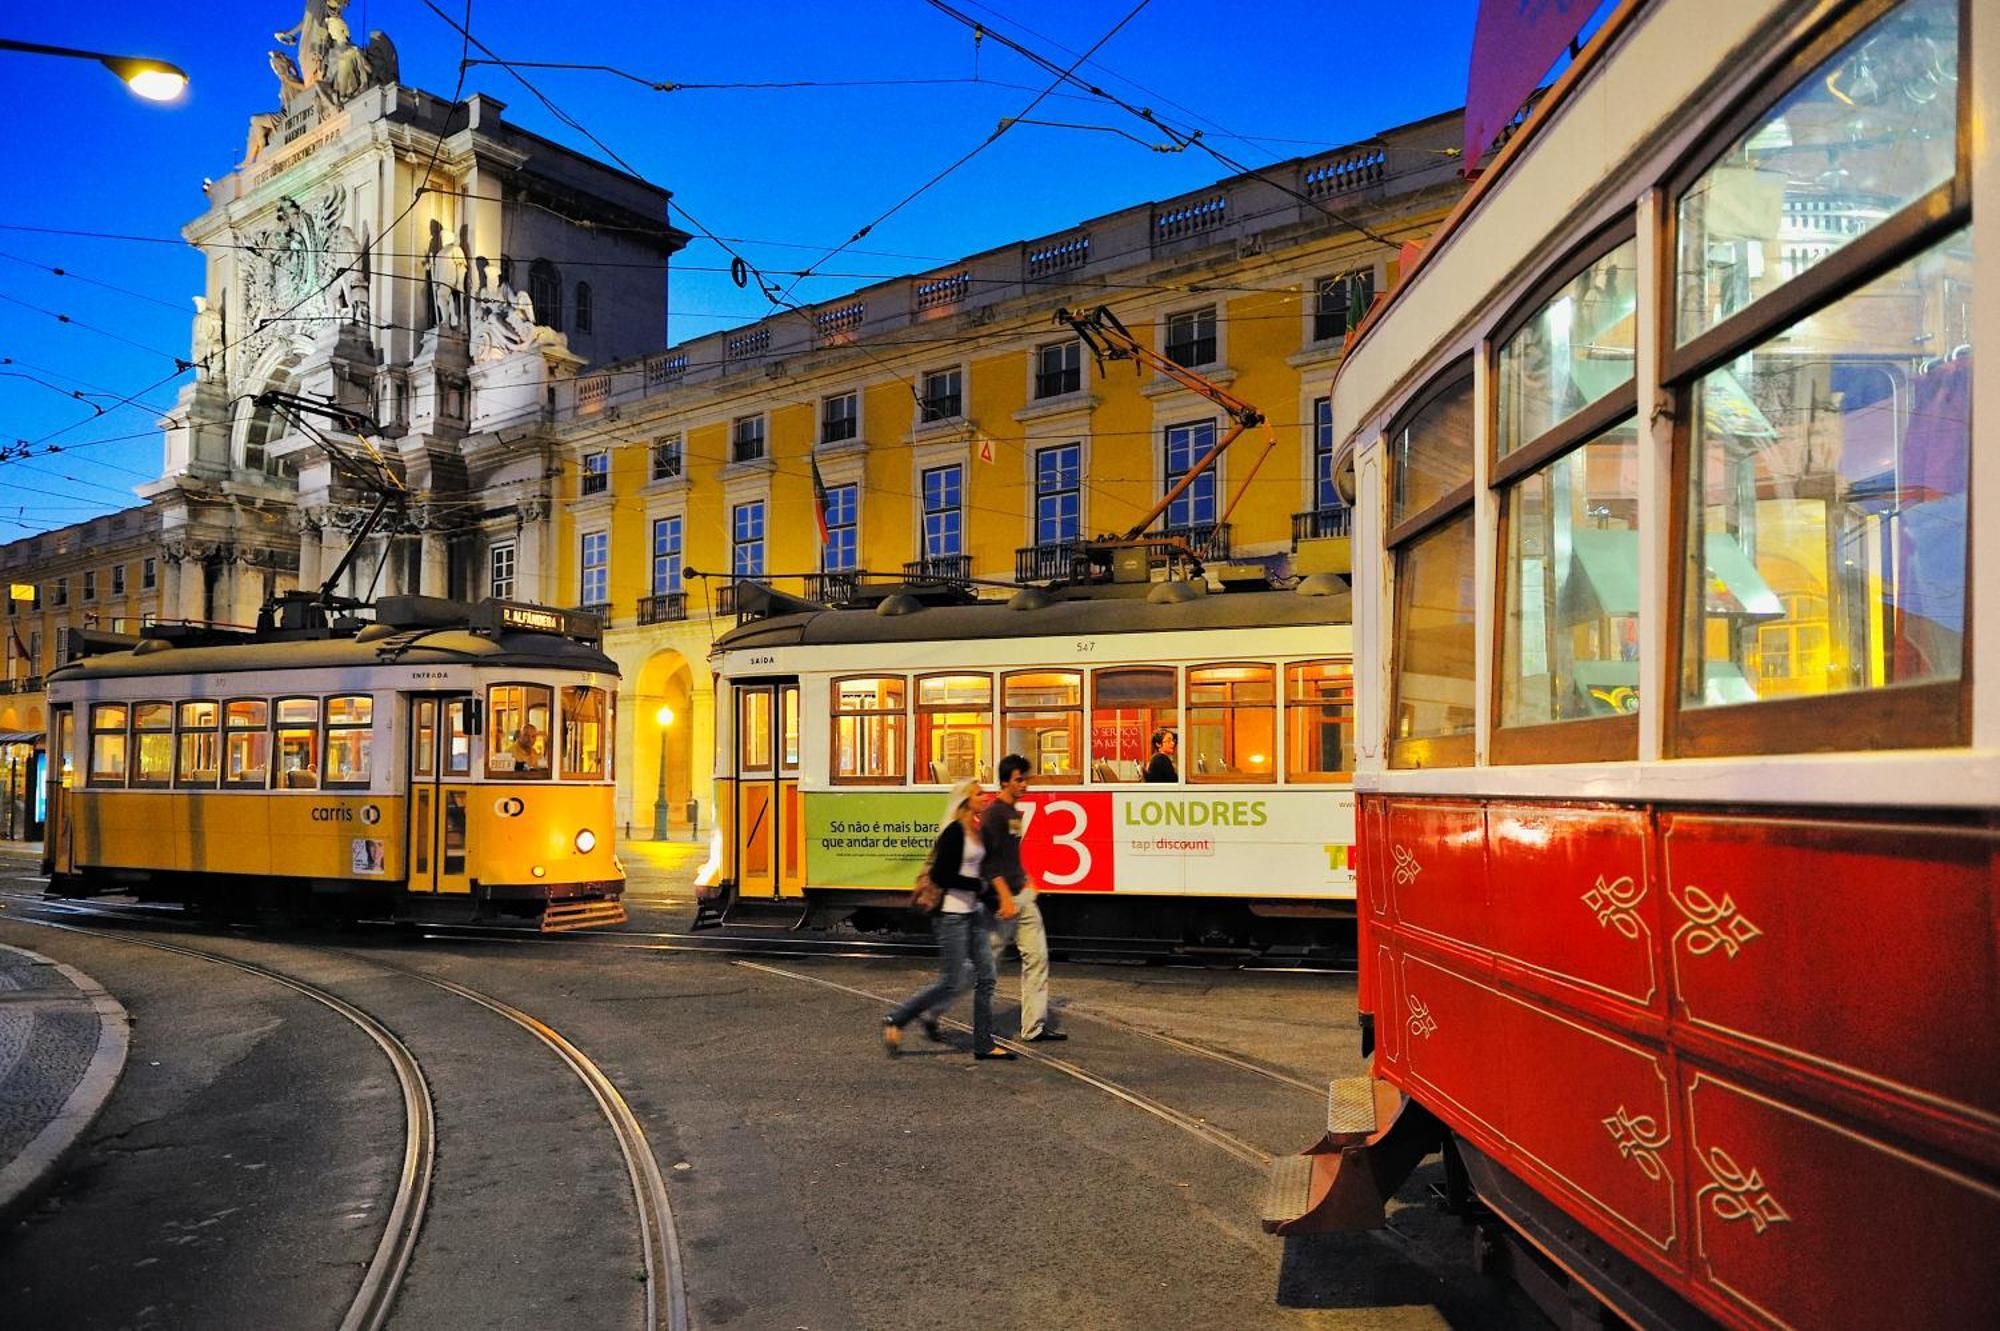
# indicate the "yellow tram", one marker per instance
pixel 442 761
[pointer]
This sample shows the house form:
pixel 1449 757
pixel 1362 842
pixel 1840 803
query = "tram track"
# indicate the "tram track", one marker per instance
pixel 372 1302
pixel 666 1286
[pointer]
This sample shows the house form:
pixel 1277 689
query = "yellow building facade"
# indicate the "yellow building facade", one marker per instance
pixel 962 433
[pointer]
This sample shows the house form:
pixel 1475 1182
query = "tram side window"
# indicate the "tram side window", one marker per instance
pixel 954 728
pixel 107 744
pixel 458 737
pixel 1319 722
pixel 1232 724
pixel 517 731
pixel 152 743
pixel 350 739
pixel 200 746
pixel 1825 538
pixel 753 730
pixel 1042 719
pixel 1431 545
pixel 1128 705
pixel 583 718
pixel 298 743
pixel 246 743
pixel 868 729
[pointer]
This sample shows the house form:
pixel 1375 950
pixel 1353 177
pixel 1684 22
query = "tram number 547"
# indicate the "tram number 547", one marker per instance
pixel 1066 842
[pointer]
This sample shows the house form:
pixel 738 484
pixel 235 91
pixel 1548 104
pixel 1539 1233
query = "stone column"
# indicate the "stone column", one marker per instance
pixel 433 576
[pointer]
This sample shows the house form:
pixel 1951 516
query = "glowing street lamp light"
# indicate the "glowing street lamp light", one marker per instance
pixel 665 717
pixel 154 80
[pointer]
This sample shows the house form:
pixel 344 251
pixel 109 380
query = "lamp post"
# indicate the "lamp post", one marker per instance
pixel 665 716
pixel 154 80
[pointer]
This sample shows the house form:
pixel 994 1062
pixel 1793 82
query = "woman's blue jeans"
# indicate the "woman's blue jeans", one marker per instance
pixel 962 947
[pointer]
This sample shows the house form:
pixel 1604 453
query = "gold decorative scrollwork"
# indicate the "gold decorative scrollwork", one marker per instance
pixel 1739 1194
pixel 1421 1021
pixel 1614 903
pixel 1639 1140
pixel 1407 867
pixel 1711 923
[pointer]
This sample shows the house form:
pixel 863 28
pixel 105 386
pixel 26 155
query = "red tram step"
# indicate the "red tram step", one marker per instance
pixel 1343 1181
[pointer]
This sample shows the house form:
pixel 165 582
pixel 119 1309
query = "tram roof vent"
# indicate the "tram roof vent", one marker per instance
pixel 1030 598
pixel 901 603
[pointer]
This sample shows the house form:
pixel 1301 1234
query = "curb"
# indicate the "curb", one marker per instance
pixel 28 1176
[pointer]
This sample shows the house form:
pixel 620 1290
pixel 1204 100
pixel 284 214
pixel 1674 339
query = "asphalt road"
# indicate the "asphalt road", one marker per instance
pixel 240 1174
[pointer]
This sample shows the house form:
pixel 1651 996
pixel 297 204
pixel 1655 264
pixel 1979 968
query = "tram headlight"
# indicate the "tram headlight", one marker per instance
pixel 586 841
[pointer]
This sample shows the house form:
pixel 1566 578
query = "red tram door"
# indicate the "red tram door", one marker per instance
pixel 441 756
pixel 766 821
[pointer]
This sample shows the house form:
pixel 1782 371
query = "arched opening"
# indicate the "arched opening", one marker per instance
pixel 264 426
pixel 545 290
pixel 662 766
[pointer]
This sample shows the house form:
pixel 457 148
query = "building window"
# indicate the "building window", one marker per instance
pixel 545 292
pixel 595 588
pixel 667 458
pixel 746 439
pixel 944 511
pixel 149 574
pixel 839 417
pixel 746 556
pixel 843 514
pixel 1339 303
pixel 583 307
pixel 1325 496
pixel 62 591
pixel 596 473
pixel 1191 336
pixel 1058 494
pixel 117 579
pixel 500 571
pixel 89 585
pixel 666 556
pixel 944 395
pixel 1058 368
pixel 1187 445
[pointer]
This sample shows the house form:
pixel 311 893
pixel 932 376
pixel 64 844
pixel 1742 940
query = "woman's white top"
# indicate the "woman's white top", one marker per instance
pixel 963 903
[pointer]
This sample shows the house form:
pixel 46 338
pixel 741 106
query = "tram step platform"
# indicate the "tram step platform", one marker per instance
pixel 561 916
pixel 1373 1139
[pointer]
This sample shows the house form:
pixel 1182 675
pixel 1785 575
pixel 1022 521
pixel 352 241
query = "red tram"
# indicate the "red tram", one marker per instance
pixel 1677 726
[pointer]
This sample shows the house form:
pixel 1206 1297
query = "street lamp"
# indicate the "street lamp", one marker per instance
pixel 154 80
pixel 665 716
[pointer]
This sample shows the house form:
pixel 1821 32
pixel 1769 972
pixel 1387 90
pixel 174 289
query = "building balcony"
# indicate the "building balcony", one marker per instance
pixel 831 588
pixel 1317 523
pixel 939 568
pixel 665 608
pixel 601 609
pixel 725 599
pixel 26 684
pixel 1208 540
pixel 1051 561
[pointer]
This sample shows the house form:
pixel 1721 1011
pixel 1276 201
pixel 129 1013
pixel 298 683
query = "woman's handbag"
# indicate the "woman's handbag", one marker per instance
pixel 926 897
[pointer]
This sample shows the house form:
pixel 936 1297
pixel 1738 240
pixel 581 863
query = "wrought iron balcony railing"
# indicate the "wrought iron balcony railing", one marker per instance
pixel 1051 561
pixel 1318 522
pixel 831 588
pixel 664 608
pixel 939 568
pixel 1208 540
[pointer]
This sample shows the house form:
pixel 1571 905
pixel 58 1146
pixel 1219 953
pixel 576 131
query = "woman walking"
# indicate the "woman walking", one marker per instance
pixel 956 859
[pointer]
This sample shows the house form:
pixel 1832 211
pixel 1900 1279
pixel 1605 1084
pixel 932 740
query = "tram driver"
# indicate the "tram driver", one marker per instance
pixel 527 750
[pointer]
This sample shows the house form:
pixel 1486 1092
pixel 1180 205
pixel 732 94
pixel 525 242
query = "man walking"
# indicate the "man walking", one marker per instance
pixel 1000 830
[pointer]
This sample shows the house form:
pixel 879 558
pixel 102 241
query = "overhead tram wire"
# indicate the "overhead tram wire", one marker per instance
pixel 977 149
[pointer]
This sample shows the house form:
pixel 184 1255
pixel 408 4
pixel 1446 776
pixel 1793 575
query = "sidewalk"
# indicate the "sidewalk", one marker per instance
pixel 62 1046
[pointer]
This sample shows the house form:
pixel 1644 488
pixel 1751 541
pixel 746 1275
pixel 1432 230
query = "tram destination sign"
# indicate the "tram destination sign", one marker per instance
pixel 1228 842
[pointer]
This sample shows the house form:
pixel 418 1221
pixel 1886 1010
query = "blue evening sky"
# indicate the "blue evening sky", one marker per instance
pixel 787 174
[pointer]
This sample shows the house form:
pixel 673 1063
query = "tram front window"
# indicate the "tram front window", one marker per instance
pixel 955 727
pixel 1043 721
pixel 517 731
pixel 298 743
